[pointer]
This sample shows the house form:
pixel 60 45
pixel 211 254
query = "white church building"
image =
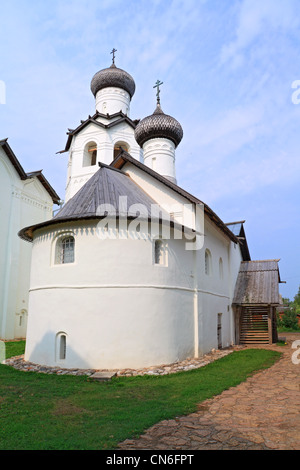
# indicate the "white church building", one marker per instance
pixel 134 271
pixel 26 198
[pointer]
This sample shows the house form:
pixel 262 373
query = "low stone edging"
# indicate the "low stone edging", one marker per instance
pixel 188 364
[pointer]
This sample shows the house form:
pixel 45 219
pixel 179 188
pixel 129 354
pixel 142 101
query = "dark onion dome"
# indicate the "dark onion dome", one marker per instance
pixel 113 77
pixel 157 125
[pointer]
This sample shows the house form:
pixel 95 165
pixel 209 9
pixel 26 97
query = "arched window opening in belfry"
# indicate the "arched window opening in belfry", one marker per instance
pixel 119 146
pixel 90 154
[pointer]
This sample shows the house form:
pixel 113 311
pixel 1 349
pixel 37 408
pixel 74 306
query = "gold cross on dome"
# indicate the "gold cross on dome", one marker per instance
pixel 157 85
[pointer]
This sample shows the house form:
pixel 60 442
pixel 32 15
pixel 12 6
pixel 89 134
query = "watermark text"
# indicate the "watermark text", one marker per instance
pixel 296 354
pixel 185 221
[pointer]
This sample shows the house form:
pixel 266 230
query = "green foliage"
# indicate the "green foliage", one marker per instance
pixel 295 305
pixel 40 411
pixel 288 320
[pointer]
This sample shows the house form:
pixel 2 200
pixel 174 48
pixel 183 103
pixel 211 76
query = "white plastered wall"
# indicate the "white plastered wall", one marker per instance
pixel 214 294
pixel 22 203
pixel 112 100
pixel 117 309
pixel 105 139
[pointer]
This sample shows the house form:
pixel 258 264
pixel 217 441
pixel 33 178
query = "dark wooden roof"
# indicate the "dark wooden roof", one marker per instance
pixel 93 119
pixel 105 187
pixel 100 197
pixel 113 77
pixel 257 283
pixel 124 158
pixel 24 176
pixel 104 190
pixel 157 125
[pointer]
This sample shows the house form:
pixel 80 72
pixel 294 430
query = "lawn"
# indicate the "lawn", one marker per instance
pixel 40 411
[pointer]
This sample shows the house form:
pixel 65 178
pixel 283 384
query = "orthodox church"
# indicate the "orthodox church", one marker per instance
pixel 135 271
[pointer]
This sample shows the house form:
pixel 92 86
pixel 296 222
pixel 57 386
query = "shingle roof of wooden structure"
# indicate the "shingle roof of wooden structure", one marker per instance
pixel 24 176
pixel 103 195
pixel 257 283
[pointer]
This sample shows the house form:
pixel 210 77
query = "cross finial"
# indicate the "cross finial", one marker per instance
pixel 157 84
pixel 113 53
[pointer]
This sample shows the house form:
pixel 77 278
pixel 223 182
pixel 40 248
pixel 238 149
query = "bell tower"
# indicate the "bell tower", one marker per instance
pixel 100 137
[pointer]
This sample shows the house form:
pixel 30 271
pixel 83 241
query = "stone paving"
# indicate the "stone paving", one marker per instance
pixel 259 414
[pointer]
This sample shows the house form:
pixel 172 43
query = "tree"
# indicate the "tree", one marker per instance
pixel 289 319
pixel 295 305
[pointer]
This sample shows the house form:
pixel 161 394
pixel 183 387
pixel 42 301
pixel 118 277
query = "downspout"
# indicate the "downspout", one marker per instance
pixel 8 263
pixel 196 320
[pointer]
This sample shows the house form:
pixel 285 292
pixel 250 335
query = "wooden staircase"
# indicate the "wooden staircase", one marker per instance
pixel 254 326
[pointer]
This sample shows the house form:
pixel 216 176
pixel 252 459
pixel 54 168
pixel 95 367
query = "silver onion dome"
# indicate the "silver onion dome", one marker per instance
pixel 157 125
pixel 113 77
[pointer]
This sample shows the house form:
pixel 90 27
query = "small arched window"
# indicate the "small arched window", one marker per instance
pixel 90 154
pixel 208 266
pixel 61 346
pixel 64 250
pixel 118 147
pixel 160 252
pixel 221 268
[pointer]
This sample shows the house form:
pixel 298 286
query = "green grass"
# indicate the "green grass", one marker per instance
pixel 284 329
pixel 14 348
pixel 281 343
pixel 39 411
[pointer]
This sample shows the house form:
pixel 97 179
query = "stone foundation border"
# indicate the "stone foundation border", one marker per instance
pixel 19 363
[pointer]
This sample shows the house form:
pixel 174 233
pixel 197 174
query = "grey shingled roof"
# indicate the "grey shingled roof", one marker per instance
pixel 113 77
pixel 104 190
pixel 125 157
pixel 157 125
pixel 100 197
pixel 257 283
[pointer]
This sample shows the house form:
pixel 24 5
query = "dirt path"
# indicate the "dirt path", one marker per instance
pixel 261 413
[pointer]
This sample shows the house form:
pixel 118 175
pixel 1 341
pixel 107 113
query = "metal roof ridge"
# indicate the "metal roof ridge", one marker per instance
pixel 233 223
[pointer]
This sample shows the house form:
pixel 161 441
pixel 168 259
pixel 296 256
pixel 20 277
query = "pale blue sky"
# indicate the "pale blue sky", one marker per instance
pixel 227 67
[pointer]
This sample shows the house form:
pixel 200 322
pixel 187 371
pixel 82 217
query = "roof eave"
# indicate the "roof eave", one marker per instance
pixel 27 233
pixel 24 176
pixel 13 159
pixel 92 119
pixel 124 157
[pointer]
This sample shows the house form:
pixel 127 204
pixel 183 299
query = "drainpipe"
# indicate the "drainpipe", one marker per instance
pixel 196 320
pixel 8 268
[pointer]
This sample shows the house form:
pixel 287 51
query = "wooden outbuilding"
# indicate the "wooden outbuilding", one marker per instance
pixel 255 301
